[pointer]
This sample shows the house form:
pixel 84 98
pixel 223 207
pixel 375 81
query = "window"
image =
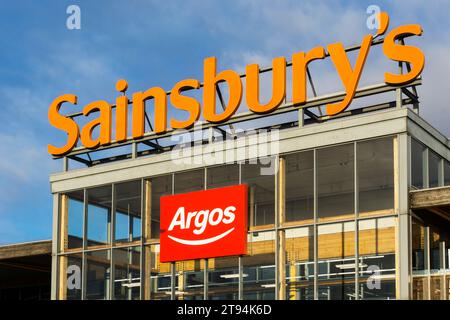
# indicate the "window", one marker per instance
pixel 191 274
pixel 300 263
pixel 261 183
pixel 434 170
pixel 188 181
pixel 447 172
pixel 335 182
pixel 376 258
pixel 127 275
pixel 159 186
pixel 375 167
pixel 222 176
pixel 336 265
pixel 299 189
pixel 418 160
pixel 99 216
pixel 418 248
pixel 158 275
pixel 223 278
pixel 72 267
pixel 259 267
pixel 75 212
pixel 98 275
pixel 128 211
pixel 435 260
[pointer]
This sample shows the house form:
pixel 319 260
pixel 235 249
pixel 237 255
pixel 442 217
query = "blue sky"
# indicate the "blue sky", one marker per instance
pixel 159 43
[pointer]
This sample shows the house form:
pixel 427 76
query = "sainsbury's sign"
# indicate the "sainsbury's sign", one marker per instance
pixel 349 75
pixel 204 224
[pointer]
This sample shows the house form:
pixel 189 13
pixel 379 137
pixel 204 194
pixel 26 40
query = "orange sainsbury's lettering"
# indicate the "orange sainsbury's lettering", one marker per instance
pixel 103 122
pixel 399 52
pixel 350 77
pixel 138 112
pixel 278 86
pixel 63 123
pixel 121 112
pixel 393 49
pixel 188 104
pixel 209 91
pixel 300 62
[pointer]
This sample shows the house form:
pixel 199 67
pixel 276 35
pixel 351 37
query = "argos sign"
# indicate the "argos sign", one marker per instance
pixel 204 224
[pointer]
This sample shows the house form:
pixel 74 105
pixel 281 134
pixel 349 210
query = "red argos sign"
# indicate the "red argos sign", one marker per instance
pixel 204 224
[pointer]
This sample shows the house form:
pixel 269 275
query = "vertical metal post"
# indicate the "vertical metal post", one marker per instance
pixel 280 233
pixel 403 218
pixel 316 264
pixel 356 204
pixel 205 280
pixel 173 278
pixel 85 232
pixel 425 170
pixel 134 150
pixel 241 279
pixel 442 265
pixel 277 242
pixel 398 91
pixel 65 161
pixel 427 295
pixel 301 117
pixel 55 248
pixel 111 239
pixel 143 271
pixel 240 268
pixel 441 176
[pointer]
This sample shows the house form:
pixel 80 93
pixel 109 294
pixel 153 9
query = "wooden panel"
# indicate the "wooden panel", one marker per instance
pixel 148 210
pixel 63 225
pixel 26 249
pixel 281 291
pixel 334 245
pixel 430 198
pixel 62 287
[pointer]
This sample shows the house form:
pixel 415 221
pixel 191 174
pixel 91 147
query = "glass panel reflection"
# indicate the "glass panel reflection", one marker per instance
pixel 259 266
pixel 99 215
pixel 335 183
pixel 300 263
pixel 336 265
pixel 72 265
pixel 159 275
pixel 447 173
pixel 418 157
pixel 75 211
pixel 261 183
pixel 300 187
pixel 127 273
pixel 159 186
pixel 375 175
pixel 222 176
pixel 98 272
pixel 128 211
pixel 223 278
pixel 377 258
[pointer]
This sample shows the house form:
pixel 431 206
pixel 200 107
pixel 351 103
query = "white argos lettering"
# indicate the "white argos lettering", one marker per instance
pixel 202 218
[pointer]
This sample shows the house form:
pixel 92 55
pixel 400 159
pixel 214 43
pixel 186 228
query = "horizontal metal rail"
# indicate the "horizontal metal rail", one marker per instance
pixel 280 126
pixel 247 116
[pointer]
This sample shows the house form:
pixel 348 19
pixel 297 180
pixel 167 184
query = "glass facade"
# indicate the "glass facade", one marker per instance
pixel 428 169
pixel 323 226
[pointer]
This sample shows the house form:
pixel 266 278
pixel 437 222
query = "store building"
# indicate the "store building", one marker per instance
pixel 341 194
pixel 353 205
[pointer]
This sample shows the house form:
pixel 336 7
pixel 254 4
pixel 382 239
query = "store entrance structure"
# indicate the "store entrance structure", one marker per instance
pixel 341 214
